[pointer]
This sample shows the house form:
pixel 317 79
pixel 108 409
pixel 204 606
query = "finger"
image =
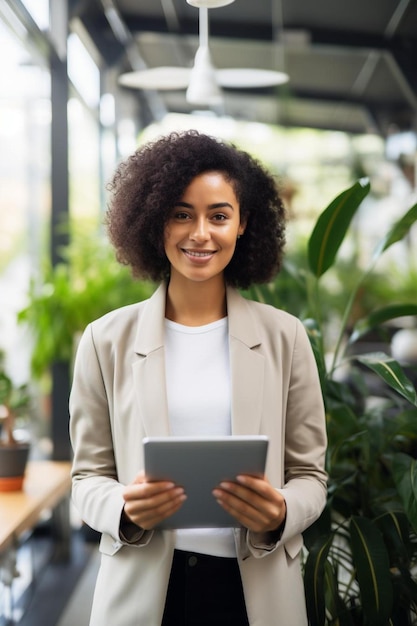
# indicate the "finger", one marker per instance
pixel 140 477
pixel 147 513
pixel 256 491
pixel 245 494
pixel 243 505
pixel 147 518
pixel 247 517
pixel 251 509
pixel 149 501
pixel 144 490
pixel 260 485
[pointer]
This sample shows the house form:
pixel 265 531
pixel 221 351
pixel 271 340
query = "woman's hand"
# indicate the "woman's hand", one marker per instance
pixel 253 501
pixel 148 503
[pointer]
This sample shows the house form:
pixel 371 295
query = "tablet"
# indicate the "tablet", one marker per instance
pixel 199 465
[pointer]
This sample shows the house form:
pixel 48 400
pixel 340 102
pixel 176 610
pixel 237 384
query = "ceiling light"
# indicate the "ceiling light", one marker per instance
pixel 209 4
pixel 203 82
pixel 203 88
pixel 158 78
pixel 246 78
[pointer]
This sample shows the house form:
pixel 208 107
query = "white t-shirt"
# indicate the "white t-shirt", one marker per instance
pixel 199 403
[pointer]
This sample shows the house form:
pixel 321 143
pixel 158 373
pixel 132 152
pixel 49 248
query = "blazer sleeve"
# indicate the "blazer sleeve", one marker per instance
pixel 96 491
pixel 305 442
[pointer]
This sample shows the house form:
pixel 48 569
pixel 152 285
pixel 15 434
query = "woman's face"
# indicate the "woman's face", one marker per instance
pixel 200 236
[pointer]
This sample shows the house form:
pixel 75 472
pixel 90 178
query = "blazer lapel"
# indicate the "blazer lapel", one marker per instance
pixel 149 369
pixel 247 366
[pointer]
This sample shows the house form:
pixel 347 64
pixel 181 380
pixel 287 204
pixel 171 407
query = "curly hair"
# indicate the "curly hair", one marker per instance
pixel 146 187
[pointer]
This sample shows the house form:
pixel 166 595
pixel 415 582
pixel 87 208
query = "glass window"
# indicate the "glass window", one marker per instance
pixel 24 185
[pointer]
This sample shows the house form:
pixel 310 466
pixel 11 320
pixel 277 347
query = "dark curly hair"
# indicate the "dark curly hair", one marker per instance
pixel 146 187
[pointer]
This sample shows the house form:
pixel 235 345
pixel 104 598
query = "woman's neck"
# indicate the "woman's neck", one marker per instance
pixel 195 304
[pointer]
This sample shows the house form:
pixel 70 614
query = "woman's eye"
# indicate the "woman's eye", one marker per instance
pixel 219 217
pixel 180 215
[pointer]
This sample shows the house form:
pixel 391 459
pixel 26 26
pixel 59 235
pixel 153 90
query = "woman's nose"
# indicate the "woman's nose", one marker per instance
pixel 200 231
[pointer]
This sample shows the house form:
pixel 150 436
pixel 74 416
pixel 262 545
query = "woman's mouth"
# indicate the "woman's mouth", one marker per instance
pixel 198 256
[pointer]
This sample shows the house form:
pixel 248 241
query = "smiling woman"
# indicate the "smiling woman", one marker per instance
pixel 197 359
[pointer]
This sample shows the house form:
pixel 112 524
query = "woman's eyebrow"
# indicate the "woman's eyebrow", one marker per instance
pixel 216 205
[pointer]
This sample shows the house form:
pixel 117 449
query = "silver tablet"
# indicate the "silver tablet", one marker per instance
pixel 199 465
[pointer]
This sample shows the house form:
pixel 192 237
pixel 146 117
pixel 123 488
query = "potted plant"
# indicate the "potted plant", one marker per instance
pixel 14 452
pixel 361 555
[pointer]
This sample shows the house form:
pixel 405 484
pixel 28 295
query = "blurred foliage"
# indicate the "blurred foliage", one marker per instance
pixel 14 402
pixel 65 298
pixel 362 552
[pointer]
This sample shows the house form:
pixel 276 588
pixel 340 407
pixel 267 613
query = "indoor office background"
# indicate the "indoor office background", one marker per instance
pixel 325 95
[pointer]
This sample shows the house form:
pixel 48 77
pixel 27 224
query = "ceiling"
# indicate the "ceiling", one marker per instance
pixel 352 65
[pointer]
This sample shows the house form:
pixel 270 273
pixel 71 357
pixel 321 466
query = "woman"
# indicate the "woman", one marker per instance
pixel 203 218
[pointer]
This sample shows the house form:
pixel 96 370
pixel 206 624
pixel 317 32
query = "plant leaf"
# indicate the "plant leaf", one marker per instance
pixel 404 471
pixel 376 318
pixel 391 372
pixel 395 529
pixel 397 232
pixel 372 571
pixel 5 388
pixel 331 227
pixel 314 580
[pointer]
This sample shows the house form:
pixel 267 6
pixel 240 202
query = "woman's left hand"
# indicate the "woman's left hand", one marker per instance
pixel 253 501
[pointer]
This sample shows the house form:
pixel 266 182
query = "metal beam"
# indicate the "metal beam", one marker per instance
pixel 59 233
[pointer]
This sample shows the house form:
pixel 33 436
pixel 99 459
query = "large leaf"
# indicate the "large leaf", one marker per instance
pixel 397 232
pixel 372 571
pixel 376 318
pixel 404 471
pixel 395 529
pixel 391 372
pixel 331 227
pixel 338 606
pixel 314 580
pixel 404 426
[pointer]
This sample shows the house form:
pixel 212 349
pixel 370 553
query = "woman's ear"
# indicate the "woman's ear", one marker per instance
pixel 241 229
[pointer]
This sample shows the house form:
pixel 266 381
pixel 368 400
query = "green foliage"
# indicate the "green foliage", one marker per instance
pixel 332 226
pixel 14 400
pixel 88 284
pixel 361 558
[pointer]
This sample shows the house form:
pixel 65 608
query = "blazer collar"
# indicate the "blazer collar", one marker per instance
pixel 150 331
pixel 151 325
pixel 242 325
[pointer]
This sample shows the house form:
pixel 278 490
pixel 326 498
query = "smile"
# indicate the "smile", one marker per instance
pixel 200 254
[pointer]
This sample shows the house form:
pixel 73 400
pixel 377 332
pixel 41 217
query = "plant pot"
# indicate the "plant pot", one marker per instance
pixel 13 461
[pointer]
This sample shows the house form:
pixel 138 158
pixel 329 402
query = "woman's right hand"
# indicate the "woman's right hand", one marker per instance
pixel 148 503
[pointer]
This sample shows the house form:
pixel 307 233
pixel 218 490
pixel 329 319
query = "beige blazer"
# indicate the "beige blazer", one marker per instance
pixel 118 398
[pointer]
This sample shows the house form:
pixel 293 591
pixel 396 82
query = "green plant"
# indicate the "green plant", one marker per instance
pixel 87 284
pixel 13 400
pixel 360 567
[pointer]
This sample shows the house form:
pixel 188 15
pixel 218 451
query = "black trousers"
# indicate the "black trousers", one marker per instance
pixel 204 590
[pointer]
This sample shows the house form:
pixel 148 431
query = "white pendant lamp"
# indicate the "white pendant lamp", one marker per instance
pixel 203 88
pixel 159 78
pixel 246 78
pixel 204 82
pixel 209 4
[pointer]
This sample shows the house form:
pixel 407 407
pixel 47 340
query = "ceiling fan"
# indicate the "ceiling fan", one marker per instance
pixel 203 82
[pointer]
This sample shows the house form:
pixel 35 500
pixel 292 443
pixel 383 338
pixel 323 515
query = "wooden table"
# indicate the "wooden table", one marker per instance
pixel 46 484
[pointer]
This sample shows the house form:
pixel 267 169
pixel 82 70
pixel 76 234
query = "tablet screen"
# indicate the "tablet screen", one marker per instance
pixel 199 465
